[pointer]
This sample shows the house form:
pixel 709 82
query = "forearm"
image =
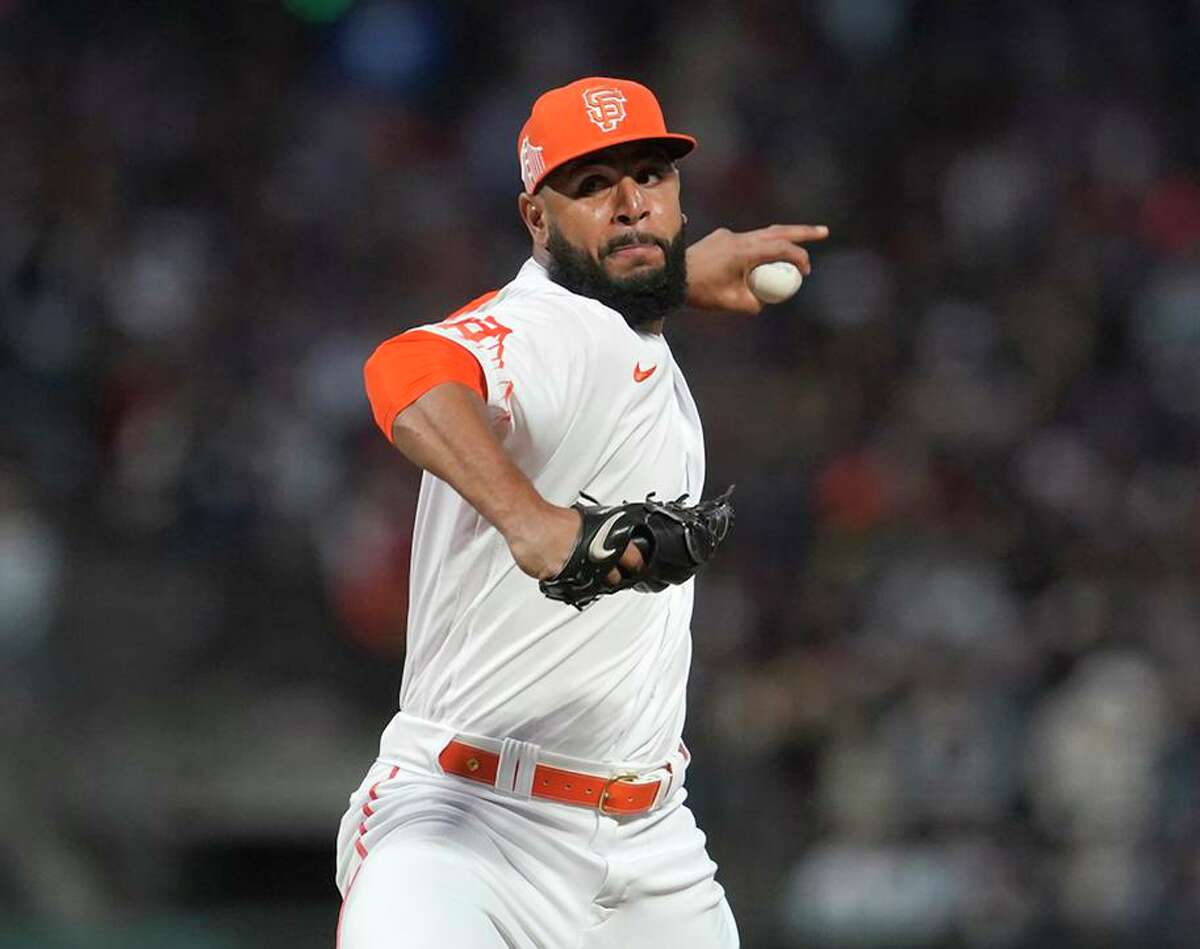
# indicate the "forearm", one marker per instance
pixel 446 432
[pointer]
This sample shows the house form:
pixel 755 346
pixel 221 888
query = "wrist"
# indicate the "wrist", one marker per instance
pixel 522 519
pixel 541 538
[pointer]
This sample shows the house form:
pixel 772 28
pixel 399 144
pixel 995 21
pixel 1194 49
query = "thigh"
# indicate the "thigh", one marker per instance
pixel 447 866
pixel 662 889
pixel 418 895
pixel 653 922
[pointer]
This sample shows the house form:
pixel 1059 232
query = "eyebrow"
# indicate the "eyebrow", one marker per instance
pixel 568 173
pixel 598 163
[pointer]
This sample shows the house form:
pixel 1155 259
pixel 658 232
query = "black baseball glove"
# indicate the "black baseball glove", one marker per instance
pixel 675 541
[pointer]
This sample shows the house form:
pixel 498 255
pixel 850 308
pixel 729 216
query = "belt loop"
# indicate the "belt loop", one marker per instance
pixel 518 759
pixel 679 765
pixel 675 768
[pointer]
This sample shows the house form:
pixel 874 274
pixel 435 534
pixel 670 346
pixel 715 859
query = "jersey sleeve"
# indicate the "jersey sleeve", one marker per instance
pixel 533 367
pixel 405 367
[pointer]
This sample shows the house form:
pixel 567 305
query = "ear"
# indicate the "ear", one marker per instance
pixel 533 213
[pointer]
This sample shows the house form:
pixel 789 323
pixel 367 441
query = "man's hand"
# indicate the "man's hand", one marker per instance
pixel 717 265
pixel 542 542
pixel 674 539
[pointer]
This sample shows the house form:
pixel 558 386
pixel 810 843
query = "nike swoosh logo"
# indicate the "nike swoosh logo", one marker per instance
pixel 598 549
pixel 640 374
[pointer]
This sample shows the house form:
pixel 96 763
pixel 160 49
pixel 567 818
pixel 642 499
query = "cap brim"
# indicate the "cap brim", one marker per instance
pixel 676 145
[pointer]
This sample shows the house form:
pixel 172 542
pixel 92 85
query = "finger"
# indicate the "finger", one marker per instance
pixel 631 562
pixel 798 233
pixel 766 251
pixel 741 300
pixel 786 250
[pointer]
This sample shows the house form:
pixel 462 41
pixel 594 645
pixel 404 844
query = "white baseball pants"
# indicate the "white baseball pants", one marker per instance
pixel 431 860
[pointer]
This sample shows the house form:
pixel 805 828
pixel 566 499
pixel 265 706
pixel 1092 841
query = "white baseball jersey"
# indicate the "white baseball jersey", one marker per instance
pixel 583 404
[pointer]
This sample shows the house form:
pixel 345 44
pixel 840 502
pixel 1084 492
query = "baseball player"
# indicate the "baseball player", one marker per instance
pixel 529 793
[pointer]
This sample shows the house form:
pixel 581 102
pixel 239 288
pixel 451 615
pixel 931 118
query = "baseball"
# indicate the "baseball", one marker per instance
pixel 775 282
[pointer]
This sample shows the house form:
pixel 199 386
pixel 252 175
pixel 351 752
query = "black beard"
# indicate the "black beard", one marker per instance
pixel 641 298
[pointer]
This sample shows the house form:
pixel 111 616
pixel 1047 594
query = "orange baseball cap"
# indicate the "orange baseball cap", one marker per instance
pixel 586 116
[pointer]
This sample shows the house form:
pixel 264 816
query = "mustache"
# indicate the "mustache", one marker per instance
pixel 630 239
pixel 641 298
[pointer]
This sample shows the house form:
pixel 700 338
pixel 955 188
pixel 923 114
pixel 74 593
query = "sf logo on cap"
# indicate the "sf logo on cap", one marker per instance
pixel 605 107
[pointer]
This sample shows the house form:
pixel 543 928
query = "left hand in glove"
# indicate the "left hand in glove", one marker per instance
pixel 675 541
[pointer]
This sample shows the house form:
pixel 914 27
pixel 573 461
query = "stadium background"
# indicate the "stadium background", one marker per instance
pixel 946 686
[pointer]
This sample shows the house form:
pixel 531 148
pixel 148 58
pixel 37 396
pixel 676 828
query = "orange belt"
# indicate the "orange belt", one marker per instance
pixel 615 795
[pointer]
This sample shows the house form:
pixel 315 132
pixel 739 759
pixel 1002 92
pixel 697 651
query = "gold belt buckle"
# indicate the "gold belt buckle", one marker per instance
pixel 606 790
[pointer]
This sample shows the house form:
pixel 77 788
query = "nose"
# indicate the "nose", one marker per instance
pixel 631 206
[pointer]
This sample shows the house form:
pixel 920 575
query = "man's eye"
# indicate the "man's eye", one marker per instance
pixel 592 184
pixel 650 175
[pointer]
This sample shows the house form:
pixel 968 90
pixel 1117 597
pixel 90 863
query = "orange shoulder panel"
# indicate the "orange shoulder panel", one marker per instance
pixel 405 367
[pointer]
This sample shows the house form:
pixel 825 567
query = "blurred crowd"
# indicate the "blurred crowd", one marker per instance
pixel 947 678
